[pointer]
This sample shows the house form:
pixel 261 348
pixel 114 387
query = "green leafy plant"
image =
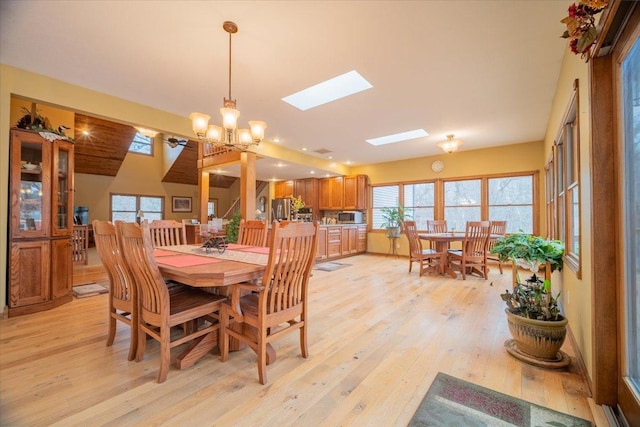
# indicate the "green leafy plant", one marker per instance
pixel 533 298
pixel 393 217
pixel 232 227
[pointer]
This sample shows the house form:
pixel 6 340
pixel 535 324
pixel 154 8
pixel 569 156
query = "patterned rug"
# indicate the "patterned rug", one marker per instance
pixel 329 266
pixel 454 402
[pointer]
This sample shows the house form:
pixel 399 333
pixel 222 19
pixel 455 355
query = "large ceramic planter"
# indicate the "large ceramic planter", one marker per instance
pixel 539 339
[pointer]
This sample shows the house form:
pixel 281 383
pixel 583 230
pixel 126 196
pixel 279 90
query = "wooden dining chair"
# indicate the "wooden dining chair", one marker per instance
pixel 473 255
pixel 279 304
pixel 497 229
pixel 252 233
pixel 166 232
pixel 429 259
pixel 159 308
pixel 122 291
pixel 436 226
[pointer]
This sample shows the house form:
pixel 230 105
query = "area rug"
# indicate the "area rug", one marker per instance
pixel 84 291
pixel 329 266
pixel 453 402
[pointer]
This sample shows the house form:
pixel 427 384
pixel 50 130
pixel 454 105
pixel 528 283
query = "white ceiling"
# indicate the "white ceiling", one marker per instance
pixel 485 71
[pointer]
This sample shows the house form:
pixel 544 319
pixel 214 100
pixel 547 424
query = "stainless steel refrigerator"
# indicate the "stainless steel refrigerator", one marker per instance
pixel 281 209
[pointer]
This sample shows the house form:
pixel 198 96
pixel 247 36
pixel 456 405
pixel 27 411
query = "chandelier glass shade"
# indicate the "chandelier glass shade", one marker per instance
pixel 228 135
pixel 450 145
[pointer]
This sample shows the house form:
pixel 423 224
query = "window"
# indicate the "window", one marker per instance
pixel 565 219
pixel 385 196
pixel 511 199
pixel 419 199
pixel 126 207
pixel 462 202
pixel 212 208
pixel 550 199
pixel 141 144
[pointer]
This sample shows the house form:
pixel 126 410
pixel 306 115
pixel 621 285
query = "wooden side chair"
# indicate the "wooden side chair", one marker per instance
pixel 167 232
pixel 429 259
pixel 497 229
pixel 252 233
pixel 279 304
pixel 159 308
pixel 436 226
pixel 473 255
pixel 122 291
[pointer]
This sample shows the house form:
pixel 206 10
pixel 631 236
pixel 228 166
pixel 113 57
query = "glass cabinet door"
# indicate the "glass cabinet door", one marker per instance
pixel 62 188
pixel 30 185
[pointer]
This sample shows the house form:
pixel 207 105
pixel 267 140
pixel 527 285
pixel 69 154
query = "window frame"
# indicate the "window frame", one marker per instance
pixel 151 144
pixel 484 205
pixel 138 197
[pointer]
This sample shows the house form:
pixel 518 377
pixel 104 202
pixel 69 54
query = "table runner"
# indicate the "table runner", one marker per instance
pixel 231 255
pixel 185 260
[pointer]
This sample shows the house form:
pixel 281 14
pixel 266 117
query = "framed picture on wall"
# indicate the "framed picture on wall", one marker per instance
pixel 180 204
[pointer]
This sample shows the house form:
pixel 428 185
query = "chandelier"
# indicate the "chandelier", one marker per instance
pixel 227 135
pixel 450 145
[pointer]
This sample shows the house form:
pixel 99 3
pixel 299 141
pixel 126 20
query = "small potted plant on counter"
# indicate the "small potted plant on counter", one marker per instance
pixel 535 322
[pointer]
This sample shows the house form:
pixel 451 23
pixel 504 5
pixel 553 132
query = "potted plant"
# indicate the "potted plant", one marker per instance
pixel 535 322
pixel 392 218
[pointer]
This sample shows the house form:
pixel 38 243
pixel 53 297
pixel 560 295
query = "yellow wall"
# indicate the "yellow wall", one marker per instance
pixel 576 293
pixel 46 91
pixel 505 159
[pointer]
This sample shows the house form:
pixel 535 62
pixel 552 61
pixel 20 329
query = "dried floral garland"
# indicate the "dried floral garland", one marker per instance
pixel 581 25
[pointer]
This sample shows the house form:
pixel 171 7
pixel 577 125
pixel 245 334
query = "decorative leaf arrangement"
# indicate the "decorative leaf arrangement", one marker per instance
pixel 297 203
pixel 581 25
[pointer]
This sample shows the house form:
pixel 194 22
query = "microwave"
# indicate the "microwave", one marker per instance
pixel 353 217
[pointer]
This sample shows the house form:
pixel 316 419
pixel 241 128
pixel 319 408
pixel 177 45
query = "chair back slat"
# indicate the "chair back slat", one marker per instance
pixel 167 233
pixel 497 229
pixel 120 280
pixel 252 233
pixel 291 258
pixel 137 248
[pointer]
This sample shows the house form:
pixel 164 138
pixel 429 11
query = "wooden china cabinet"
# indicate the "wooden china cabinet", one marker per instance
pixel 41 223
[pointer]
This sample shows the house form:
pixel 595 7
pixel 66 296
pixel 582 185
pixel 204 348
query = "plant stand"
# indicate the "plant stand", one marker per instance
pixel 393 250
pixel 561 361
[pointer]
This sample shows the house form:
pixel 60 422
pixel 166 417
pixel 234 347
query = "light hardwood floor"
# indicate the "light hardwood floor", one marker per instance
pixel 378 336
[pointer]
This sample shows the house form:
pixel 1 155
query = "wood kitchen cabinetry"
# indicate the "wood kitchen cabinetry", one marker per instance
pixel 322 244
pixel 355 192
pixel 308 190
pixel 331 193
pixel 341 240
pixel 334 239
pixel 283 189
pixel 348 192
pixel 41 222
pixel 349 240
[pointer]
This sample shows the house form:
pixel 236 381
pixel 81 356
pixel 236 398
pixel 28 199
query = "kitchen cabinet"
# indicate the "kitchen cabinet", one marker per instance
pixel 41 222
pixel 349 240
pixel 355 192
pixel 348 192
pixel 331 193
pixel 308 190
pixel 361 244
pixel 322 244
pixel 334 242
pixel 283 189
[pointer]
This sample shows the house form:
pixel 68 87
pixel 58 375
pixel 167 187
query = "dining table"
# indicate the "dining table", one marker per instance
pixel 442 242
pixel 201 267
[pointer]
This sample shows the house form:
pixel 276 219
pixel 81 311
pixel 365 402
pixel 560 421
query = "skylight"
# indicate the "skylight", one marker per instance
pixel 403 136
pixel 329 90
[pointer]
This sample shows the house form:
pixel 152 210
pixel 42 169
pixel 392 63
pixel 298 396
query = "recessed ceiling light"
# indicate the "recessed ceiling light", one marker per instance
pixel 403 136
pixel 328 175
pixel 312 172
pixel 329 90
pixel 348 162
pixel 85 132
pixel 330 157
pixel 276 139
pixel 304 148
